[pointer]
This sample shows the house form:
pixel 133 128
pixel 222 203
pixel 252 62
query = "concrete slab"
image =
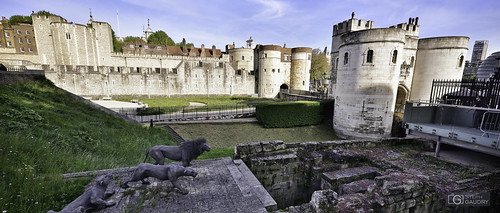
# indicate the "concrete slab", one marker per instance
pixel 116 105
pixel 221 186
pixel 350 174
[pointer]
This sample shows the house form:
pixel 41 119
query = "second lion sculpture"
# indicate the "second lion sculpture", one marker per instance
pixel 186 152
pixel 169 172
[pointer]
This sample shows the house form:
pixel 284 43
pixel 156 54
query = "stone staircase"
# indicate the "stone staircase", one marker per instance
pixel 176 136
pixel 349 180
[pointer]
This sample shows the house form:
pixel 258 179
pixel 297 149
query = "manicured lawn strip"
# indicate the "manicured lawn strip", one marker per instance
pixel 180 102
pixel 228 135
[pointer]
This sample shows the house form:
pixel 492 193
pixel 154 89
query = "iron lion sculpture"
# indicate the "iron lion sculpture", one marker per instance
pixel 186 152
pixel 92 198
pixel 162 172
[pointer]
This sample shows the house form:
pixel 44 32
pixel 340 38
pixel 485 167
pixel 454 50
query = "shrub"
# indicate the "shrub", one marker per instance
pixel 289 114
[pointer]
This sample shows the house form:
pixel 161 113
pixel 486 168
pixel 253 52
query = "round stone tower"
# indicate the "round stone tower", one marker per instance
pixel 269 61
pixel 367 81
pixel 241 59
pixel 437 58
pixel 301 65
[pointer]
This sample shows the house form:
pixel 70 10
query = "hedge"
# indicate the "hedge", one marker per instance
pixel 289 114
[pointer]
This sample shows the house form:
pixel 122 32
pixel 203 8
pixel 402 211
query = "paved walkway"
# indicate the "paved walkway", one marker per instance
pixel 117 105
pixel 222 185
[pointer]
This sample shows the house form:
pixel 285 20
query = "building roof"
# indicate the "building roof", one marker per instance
pixel 489 66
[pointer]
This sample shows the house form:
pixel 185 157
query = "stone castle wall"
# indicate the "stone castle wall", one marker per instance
pixel 80 59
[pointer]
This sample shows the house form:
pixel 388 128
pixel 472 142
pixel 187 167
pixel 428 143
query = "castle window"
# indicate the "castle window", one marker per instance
pixel 30 49
pixel 200 64
pixel 278 70
pixel 131 46
pixel 309 57
pixel 346 58
pixel 174 70
pixel 9 43
pixel 138 69
pixel 369 56
pixel 336 63
pixel 68 36
pixel 412 60
pixel 461 61
pixel 359 22
pixel 22 49
pixel 19 32
pixel 221 64
pixel 27 32
pixel 20 40
pixel 394 56
pixel 7 34
pixel 160 83
pixel 158 47
pixel 238 72
pixel 265 70
pixel 158 70
pixel 146 47
pixel 242 57
pixel 28 40
pixel 265 55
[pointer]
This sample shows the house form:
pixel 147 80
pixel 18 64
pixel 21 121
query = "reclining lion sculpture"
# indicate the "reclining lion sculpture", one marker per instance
pixel 162 172
pixel 92 198
pixel 186 152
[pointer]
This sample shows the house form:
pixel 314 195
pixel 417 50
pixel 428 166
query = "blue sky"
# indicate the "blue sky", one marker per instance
pixel 298 22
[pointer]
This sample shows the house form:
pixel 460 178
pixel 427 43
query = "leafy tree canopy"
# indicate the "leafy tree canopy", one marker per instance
pixel 160 38
pixel 15 19
pixel 187 44
pixel 319 65
pixel 131 39
pixel 117 45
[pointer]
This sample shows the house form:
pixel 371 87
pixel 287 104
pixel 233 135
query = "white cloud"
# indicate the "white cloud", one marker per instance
pixel 271 9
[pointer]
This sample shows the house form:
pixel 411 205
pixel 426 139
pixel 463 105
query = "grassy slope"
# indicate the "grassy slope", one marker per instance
pixel 228 135
pixel 45 133
pixel 170 102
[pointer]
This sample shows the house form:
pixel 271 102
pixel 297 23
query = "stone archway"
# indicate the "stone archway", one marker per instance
pixel 284 86
pixel 401 98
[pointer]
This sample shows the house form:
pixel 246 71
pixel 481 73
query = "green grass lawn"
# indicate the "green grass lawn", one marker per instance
pixel 181 102
pixel 228 135
pixel 45 133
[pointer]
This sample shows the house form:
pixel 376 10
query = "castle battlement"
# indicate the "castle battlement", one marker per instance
pixel 351 25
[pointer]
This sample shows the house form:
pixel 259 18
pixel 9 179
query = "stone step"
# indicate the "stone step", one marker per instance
pixel 359 186
pixel 176 136
pixel 332 180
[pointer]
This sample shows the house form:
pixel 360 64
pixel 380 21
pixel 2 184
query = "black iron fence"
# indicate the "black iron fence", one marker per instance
pixel 209 112
pixel 464 92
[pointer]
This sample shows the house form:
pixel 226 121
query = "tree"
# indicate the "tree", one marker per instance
pixel 131 39
pixel 160 38
pixel 15 19
pixel 117 45
pixel 319 65
pixel 187 44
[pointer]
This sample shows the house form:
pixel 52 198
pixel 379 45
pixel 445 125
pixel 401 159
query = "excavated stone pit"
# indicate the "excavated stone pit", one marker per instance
pixel 390 175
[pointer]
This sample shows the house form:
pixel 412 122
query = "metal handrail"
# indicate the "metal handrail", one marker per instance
pixel 490 123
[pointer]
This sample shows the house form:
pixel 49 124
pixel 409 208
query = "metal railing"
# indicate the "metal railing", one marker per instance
pixel 209 112
pixel 490 123
pixel 464 92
